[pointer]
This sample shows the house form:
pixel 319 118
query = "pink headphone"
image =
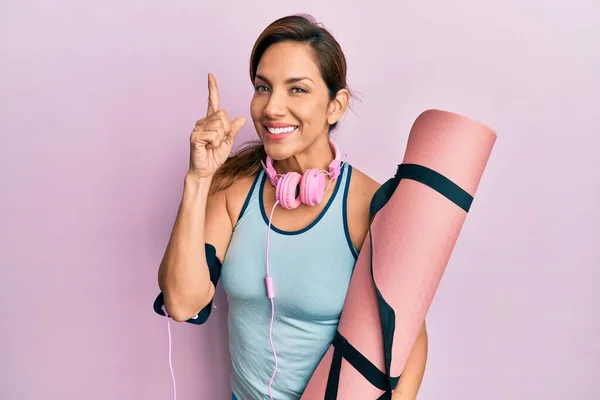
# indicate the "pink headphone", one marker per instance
pixel 311 183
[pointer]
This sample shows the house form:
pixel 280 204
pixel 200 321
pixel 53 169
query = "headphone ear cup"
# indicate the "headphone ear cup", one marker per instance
pixel 312 187
pixel 287 187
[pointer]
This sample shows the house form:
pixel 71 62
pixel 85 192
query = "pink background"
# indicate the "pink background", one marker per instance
pixel 97 102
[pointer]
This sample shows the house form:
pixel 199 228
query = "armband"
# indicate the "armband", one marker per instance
pixel 214 268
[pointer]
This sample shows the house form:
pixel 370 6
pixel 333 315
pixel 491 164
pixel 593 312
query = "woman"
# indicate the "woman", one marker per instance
pixel 230 203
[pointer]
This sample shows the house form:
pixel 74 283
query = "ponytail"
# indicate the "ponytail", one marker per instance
pixel 245 162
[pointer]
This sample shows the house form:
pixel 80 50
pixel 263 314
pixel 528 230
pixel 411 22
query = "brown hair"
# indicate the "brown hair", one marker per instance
pixel 327 55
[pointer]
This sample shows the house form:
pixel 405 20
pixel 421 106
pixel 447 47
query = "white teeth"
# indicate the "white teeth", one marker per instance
pixel 277 131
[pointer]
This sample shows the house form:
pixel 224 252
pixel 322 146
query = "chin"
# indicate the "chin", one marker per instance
pixel 279 146
pixel 278 151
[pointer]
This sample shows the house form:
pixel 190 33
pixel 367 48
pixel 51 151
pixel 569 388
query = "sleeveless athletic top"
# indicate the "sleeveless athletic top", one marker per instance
pixel 311 270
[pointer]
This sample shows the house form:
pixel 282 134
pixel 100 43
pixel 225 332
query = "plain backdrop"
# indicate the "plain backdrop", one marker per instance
pixel 97 100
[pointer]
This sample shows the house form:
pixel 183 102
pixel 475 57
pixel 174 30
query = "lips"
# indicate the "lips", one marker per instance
pixel 279 131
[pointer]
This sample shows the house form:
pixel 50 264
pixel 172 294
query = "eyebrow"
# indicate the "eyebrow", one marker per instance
pixel 287 81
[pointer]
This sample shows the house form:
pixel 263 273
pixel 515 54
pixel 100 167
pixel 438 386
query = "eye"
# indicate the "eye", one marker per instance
pixel 298 89
pixel 261 88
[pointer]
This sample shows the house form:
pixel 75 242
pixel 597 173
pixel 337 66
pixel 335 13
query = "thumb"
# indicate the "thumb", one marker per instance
pixel 236 125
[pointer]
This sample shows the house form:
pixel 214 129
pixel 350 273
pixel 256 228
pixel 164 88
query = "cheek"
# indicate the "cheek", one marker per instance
pixel 255 107
pixel 311 112
pixel 256 110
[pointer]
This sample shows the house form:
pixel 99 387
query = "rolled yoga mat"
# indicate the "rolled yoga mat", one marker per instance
pixel 416 218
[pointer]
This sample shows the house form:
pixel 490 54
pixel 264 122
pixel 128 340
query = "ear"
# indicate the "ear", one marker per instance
pixel 338 106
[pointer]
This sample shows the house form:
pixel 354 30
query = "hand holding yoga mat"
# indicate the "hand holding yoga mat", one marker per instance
pixel 416 218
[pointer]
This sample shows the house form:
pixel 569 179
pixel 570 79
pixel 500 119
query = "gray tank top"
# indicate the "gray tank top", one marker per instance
pixel 311 270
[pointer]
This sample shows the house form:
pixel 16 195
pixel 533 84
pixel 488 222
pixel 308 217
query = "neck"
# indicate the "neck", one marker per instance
pixel 318 155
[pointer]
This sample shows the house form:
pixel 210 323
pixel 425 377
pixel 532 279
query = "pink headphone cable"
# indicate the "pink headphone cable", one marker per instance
pixel 271 295
pixel 170 358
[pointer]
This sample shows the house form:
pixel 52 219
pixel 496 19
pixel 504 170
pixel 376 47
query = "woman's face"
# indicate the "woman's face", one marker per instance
pixel 291 108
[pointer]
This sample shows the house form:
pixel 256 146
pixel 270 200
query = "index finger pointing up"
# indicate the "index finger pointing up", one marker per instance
pixel 213 95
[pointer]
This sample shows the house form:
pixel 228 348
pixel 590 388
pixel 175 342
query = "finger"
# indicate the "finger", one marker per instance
pixel 208 139
pixel 212 117
pixel 216 138
pixel 213 95
pixel 200 122
pixel 236 126
pixel 215 125
pixel 221 115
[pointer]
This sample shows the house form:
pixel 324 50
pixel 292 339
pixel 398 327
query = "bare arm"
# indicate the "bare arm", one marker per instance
pixel 412 376
pixel 183 276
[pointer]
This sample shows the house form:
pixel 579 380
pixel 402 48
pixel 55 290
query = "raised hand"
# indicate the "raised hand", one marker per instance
pixel 212 139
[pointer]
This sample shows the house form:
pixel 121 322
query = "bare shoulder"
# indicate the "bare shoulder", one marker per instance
pixel 361 191
pixel 362 185
pixel 222 210
pixel 235 196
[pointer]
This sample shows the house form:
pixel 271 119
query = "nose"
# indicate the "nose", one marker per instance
pixel 275 107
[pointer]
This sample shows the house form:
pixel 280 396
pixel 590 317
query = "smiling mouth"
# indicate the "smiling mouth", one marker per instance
pixel 281 131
